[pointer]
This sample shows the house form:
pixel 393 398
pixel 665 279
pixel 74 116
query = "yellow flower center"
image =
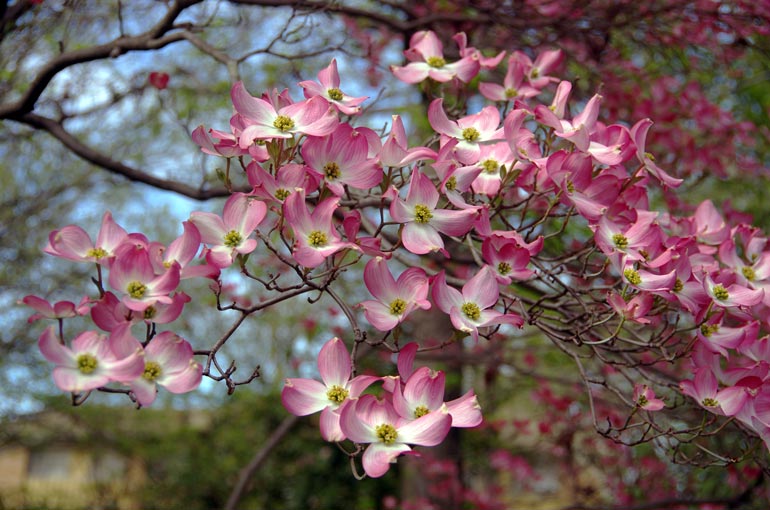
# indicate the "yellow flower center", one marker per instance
pixel 451 183
pixel 709 329
pixel 337 394
pixel 87 363
pixel 471 310
pixel 503 268
pixel 317 239
pixel 436 62
pixel 386 433
pixel 710 402
pixel 748 273
pixel 283 123
pixel 632 275
pixel 152 371
pixel 620 241
pixel 422 213
pixel 331 170
pixel 509 93
pixel 398 306
pixel 421 411
pixel 720 292
pixel 678 285
pixel 233 239
pixel 334 94
pixel 490 166
pixel 96 253
pixel 136 289
pixel 471 134
pixel 282 194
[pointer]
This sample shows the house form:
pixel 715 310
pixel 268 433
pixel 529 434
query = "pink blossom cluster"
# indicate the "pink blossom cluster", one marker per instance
pixel 324 194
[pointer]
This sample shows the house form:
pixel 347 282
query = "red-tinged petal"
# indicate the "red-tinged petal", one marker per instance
pixel 429 430
pixel 71 243
pixel 412 73
pixel 380 281
pixel 378 457
pixel 421 238
pixel 453 223
pixel 71 379
pixel 440 122
pixel 444 296
pixel 330 426
pixel 252 108
pixel 406 358
pixel 243 213
pixel 425 387
pixel 296 214
pixel 465 411
pixel 211 227
pixel 358 384
pixel 184 381
pixel 111 235
pixel 482 289
pixel 169 350
pixel 334 363
pixel 302 397
pixel 126 369
pixel 732 399
pixel 52 349
pixel 144 391
pixel 353 427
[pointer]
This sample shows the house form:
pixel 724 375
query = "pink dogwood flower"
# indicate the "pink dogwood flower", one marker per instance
pixel 168 362
pixel 92 361
pixel 514 84
pixel 426 60
pixel 469 310
pixel 229 235
pixel 423 223
pixel 470 131
pixel 302 397
pixel 394 299
pixel 311 117
pixel 315 237
pixel 644 398
pixel 133 276
pixel 328 87
pixel 376 422
pixel 395 152
pixel 59 310
pixel 73 243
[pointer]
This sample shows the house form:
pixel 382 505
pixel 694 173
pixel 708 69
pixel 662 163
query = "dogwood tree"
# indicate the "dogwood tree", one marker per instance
pixel 529 221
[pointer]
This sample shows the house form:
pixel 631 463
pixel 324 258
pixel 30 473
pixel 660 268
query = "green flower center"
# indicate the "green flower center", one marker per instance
pixel 436 61
pixel 334 93
pixel 136 289
pixel 490 166
pixel 451 183
pixel 748 273
pixel 710 402
pixel 282 194
pixel 632 275
pixel 620 241
pixel 509 93
pixel 386 433
pixel 152 371
pixel 422 213
pixel 471 134
pixel 720 292
pixel 471 310
pixel 504 268
pixel 571 187
pixel 150 312
pixel 87 363
pixel 283 123
pixel 331 170
pixel 398 306
pixel 421 411
pixel 337 394
pixel 317 239
pixel 642 401
pixel 678 285
pixel 233 239
pixel 96 253
pixel 709 329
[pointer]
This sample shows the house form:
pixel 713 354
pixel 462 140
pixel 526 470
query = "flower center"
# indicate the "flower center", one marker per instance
pixel 152 371
pixel 571 188
pixel 87 363
pixel 331 170
pixel 317 239
pixel 334 93
pixel 150 312
pixel 642 401
pixel 632 275
pixel 471 310
pixel 504 268
pixel 471 134
pixel 678 285
pixel 490 166
pixel 96 253
pixel 386 433
pixel 709 329
pixel 451 183
pixel 136 289
pixel 748 273
pixel 421 411
pixel 282 193
pixel 620 241
pixel 398 306
pixel 436 61
pixel 710 402
pixel 233 239
pixel 422 213
pixel 283 123
pixel 720 292
pixel 337 394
